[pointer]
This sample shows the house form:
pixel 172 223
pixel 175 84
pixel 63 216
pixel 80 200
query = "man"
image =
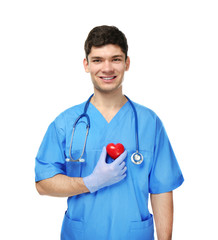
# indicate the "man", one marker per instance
pixel 108 199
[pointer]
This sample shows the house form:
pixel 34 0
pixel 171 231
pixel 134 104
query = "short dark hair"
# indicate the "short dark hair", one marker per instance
pixel 103 35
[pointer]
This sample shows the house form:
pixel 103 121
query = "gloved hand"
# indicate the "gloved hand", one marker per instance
pixel 106 174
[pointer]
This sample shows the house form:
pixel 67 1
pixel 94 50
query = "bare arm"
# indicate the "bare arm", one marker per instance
pixel 162 205
pixel 61 186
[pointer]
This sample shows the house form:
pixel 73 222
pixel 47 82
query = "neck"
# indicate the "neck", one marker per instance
pixel 108 100
pixel 108 104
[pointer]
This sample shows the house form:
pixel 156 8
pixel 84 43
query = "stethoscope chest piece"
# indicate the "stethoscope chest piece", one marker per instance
pixel 137 158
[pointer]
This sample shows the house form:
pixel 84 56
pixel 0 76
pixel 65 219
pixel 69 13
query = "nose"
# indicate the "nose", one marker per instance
pixel 107 67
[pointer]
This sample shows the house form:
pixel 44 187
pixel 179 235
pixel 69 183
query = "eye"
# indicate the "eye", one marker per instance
pixel 96 60
pixel 117 60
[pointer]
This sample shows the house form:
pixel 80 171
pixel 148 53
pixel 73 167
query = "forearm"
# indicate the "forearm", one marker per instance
pixel 162 205
pixel 61 186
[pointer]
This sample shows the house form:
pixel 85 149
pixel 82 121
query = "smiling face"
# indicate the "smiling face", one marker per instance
pixel 106 66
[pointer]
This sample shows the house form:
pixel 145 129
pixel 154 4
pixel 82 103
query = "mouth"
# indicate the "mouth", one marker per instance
pixel 108 78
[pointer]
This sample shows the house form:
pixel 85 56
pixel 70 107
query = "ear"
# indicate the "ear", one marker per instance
pixel 127 63
pixel 86 65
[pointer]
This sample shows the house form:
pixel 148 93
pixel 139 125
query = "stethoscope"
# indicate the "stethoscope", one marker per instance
pixel 136 157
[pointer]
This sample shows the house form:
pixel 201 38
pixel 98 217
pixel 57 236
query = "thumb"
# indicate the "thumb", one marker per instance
pixel 103 155
pixel 121 158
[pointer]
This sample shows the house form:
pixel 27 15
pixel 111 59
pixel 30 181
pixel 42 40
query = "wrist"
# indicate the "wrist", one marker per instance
pixel 91 183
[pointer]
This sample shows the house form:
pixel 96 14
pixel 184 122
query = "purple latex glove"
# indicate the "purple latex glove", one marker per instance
pixel 106 174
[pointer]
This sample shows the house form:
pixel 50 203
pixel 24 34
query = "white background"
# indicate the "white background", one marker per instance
pixel 174 71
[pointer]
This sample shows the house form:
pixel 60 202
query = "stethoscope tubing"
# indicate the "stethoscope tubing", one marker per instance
pixel 136 124
pixel 85 115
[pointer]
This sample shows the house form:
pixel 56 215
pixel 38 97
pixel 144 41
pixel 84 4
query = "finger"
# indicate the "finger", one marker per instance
pixel 122 165
pixel 120 159
pixel 123 176
pixel 118 179
pixel 123 170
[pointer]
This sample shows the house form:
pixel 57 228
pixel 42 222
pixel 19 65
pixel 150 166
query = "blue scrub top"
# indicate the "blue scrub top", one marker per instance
pixel 119 211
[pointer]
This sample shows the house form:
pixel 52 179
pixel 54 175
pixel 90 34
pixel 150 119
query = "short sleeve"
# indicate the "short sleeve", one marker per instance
pixel 165 174
pixel 50 158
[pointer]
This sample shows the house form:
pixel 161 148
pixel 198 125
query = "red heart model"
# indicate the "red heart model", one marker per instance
pixel 115 151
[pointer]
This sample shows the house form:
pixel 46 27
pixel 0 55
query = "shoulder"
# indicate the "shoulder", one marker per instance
pixel 72 111
pixel 68 115
pixel 148 116
pixel 143 110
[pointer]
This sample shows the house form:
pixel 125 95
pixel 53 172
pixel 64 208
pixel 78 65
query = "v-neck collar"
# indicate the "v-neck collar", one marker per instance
pixel 98 114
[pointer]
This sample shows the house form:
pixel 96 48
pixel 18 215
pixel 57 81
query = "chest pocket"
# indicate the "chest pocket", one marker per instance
pixel 74 169
pixel 138 175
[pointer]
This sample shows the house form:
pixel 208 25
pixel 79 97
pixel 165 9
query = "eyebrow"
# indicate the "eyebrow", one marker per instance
pixel 115 56
pixel 96 57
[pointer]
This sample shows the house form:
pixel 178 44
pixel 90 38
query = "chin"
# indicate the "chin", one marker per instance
pixel 109 89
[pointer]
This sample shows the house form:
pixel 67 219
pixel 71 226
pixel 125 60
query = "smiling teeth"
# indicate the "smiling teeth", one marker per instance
pixel 108 78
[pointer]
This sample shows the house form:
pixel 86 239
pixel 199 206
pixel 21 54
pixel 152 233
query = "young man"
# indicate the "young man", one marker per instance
pixel 108 199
